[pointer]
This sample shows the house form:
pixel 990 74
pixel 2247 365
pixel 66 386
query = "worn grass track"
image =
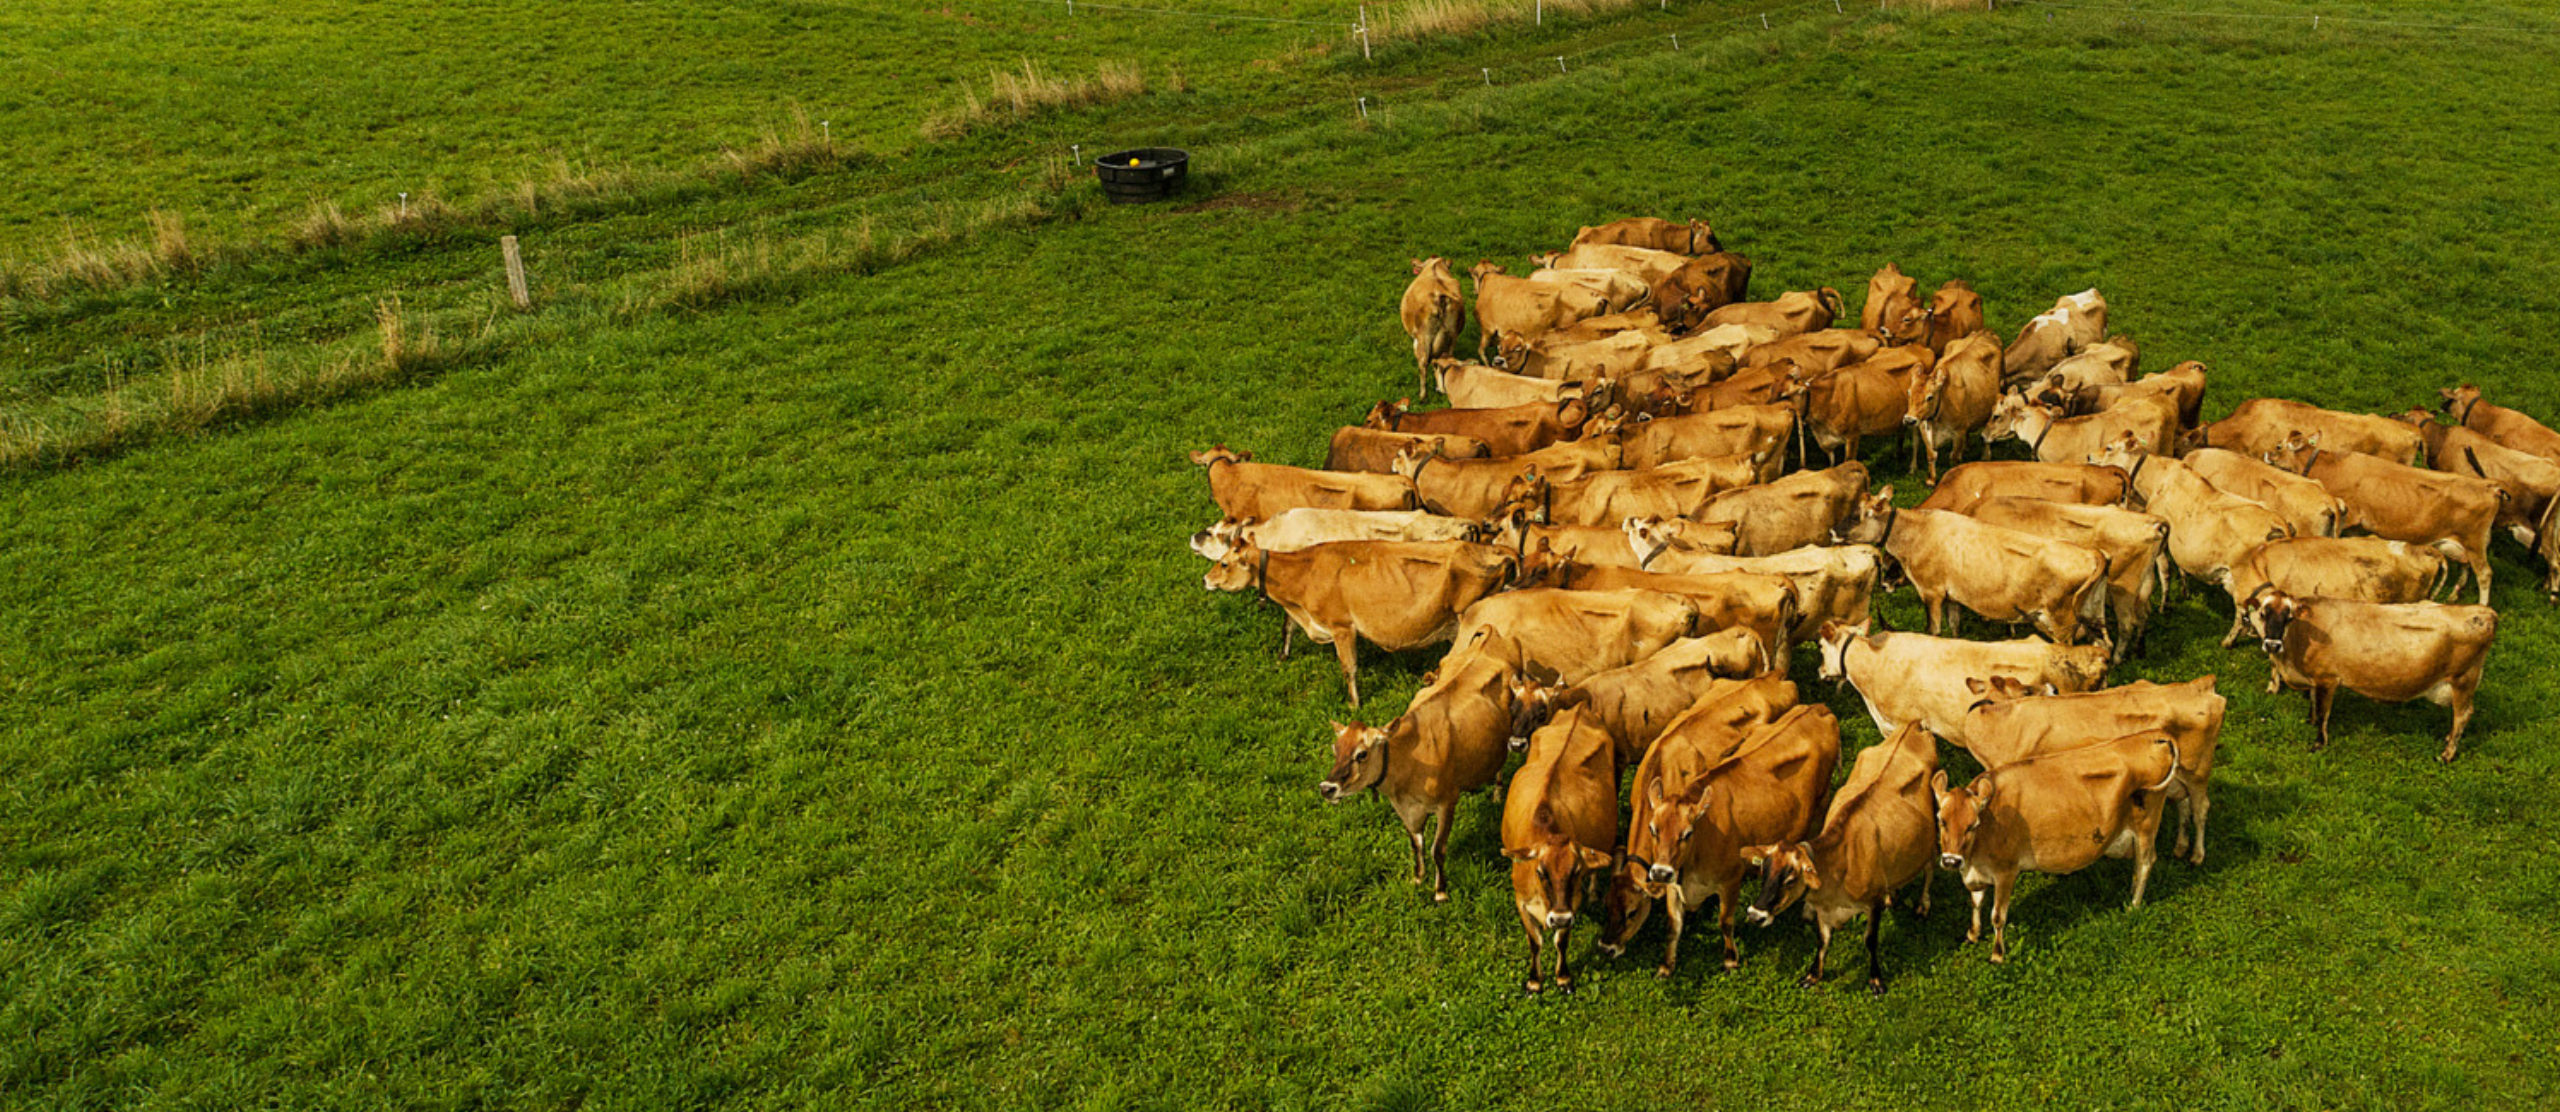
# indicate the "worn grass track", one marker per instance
pixel 808 702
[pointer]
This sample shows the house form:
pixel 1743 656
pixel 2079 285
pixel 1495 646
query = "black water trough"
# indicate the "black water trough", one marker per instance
pixel 1142 174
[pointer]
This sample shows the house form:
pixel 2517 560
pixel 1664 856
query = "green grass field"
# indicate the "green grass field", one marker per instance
pixel 803 697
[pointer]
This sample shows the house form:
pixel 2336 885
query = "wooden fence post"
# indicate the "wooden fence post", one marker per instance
pixel 515 273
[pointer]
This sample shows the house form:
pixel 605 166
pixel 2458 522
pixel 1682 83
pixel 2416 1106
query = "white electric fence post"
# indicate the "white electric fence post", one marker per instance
pixel 1559 63
pixel 1764 21
pixel 1542 13
pixel 1675 42
pixel 1363 29
pixel 1364 108
pixel 1075 151
pixel 1488 77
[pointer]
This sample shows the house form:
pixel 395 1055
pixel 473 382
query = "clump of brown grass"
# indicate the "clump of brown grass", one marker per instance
pixel 169 242
pixel 404 351
pixel 97 268
pixel 422 214
pixel 796 148
pixel 323 226
pixel 1016 96
pixel 203 391
pixel 1424 19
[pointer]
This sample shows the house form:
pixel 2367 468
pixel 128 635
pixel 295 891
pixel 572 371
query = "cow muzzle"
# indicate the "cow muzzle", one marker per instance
pixel 1332 792
pixel 1950 861
pixel 1519 742
pixel 1661 874
pixel 2273 645
pixel 1756 917
pixel 1559 920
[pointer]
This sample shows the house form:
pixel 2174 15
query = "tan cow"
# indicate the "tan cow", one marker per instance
pixel 2110 363
pixel 1698 833
pixel 1891 298
pixel 1475 488
pixel 2506 426
pixel 2047 339
pixel 2182 386
pixel 1795 511
pixel 1635 703
pixel 1433 312
pixel 1880 834
pixel 2054 438
pixel 1591 544
pixel 1833 583
pixel 1569 636
pixel 1692 238
pixel 1792 314
pixel 2388 652
pixel 1397 594
pixel 2402 502
pixel 1706 284
pixel 1294 530
pixel 1560 830
pixel 2306 506
pixel 1243 488
pixel 1507 431
pixel 2055 814
pixel 2014 723
pixel 1739 430
pixel 1711 730
pixel 1953 398
pixel 1954 312
pixel 1619 290
pixel 1477 386
pixel 1508 306
pixel 1354 448
pixel 1967 484
pixel 1647 264
pixel 2365 569
pixel 2260 425
pixel 1567 358
pixel 1867 398
pixel 1720 349
pixel 2004 575
pixel 1760 603
pixel 1671 490
pixel 2209 530
pixel 1757 386
pixel 2135 545
pixel 1451 741
pixel 1813 352
pixel 2530 481
pixel 1915 678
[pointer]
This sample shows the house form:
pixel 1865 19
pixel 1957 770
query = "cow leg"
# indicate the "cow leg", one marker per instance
pixel 1724 921
pixel 1440 854
pixel 1822 950
pixel 2479 562
pixel 1413 838
pixel 1346 648
pixel 1288 630
pixel 1928 880
pixel 2000 917
pixel 2193 809
pixel 1936 606
pixel 1875 948
pixel 2238 612
pixel 1974 932
pixel 2461 719
pixel 2324 697
pixel 2146 847
pixel 1675 904
pixel 1535 966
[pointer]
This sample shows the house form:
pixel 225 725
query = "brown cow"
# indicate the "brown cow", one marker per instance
pixel 2499 423
pixel 2260 425
pixel 2053 438
pixel 1508 306
pixel 1637 702
pixel 1648 265
pixel 1867 398
pixel 1434 313
pixel 2111 363
pixel 1832 583
pixel 1953 398
pixel 1761 603
pixel 2014 723
pixel 1891 298
pixel 1711 730
pixel 2002 574
pixel 1591 544
pixel 2530 481
pixel 1507 431
pixel 1827 350
pixel 1954 312
pixel 1757 386
pixel 1698 832
pixel 1560 830
pixel 2366 569
pixel 2209 530
pixel 1739 430
pixel 1915 678
pixel 2182 386
pixel 1619 290
pixel 1791 314
pixel 2306 506
pixel 2402 502
pixel 1475 488
pixel 2047 339
pixel 1293 530
pixel 1880 834
pixel 1671 490
pixel 1569 636
pixel 2134 543
pixel 1706 284
pixel 1717 350
pixel 1448 743
pixel 1398 594
pixel 1244 488
pixel 1477 386
pixel 1795 511
pixel 1692 238
pixel 1969 483
pixel 1354 448
pixel 2055 814
pixel 1567 358
pixel 2388 652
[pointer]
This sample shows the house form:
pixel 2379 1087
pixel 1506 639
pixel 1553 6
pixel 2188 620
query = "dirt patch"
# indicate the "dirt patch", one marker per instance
pixel 1258 202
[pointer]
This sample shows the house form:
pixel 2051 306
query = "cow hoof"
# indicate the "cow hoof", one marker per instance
pixel 1533 986
pixel 1661 972
pixel 1809 980
pixel 1999 957
pixel 1439 897
pixel 1733 963
pixel 1875 986
pixel 1609 951
pixel 1564 984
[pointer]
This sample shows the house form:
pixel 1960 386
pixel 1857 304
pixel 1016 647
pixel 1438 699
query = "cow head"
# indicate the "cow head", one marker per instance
pixel 1220 537
pixel 1409 459
pixel 1834 638
pixel 1927 391
pixel 2080 667
pixel 2295 452
pixel 1546 871
pixel 2005 415
pixel 2415 417
pixel 1220 454
pixel 1540 565
pixel 1702 239
pixel 1532 702
pixel 1651 536
pixel 1507 528
pixel 2124 453
pixel 1433 265
pixel 1830 301
pixel 1668 823
pixel 1543 261
pixel 2002 689
pixel 1910 326
pixel 2267 615
pixel 1787 874
pixel 1625 908
pixel 2461 397
pixel 1359 761
pixel 1870 521
pixel 1385 415
pixel 1526 495
pixel 1960 816
pixel 1483 268
pixel 1239 570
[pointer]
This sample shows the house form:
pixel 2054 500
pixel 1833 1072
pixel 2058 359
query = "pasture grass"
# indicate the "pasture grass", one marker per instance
pixel 804 697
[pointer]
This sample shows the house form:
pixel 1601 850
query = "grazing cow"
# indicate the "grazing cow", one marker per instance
pixel 1867 398
pixel 1954 312
pixel 1568 636
pixel 1691 238
pixel 1761 603
pixel 1477 386
pixel 1914 678
pixel 2388 652
pixel 1507 431
pixel 1832 583
pixel 1792 314
pixel 2499 423
pixel 1243 488
pixel 2182 386
pixel 1475 488
pixel 1709 731
pixel 1891 298
pixel 1739 430
pixel 2306 506
pixel 1969 483
pixel 2135 546
pixel 2209 530
pixel 1592 544
pixel 1706 284
pixel 1795 511
pixel 2365 569
pixel 1354 448
pixel 2105 364
pixel 1560 830
pixel 1716 349
pixel 1518 307
pixel 1813 352
pixel 1397 594
pixel 2013 723
pixel 1565 357
pixel 2402 502
pixel 1635 703
pixel 2056 814
pixel 1434 313
pixel 2053 438
pixel 2530 481
pixel 1954 397
pixel 1451 741
pixel 1880 834
pixel 1671 490
pixel 1295 530
pixel 2002 574
pixel 1618 289
pixel 1698 832
pixel 2260 425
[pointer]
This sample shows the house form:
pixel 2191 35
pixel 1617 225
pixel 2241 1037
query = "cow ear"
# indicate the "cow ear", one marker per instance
pixel 1938 782
pixel 1989 788
pixel 1976 685
pixel 1597 858
pixel 2311 441
pixel 1545 818
pixel 1804 865
pixel 1653 794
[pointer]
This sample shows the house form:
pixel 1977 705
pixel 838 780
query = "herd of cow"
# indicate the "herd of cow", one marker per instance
pixel 1605 527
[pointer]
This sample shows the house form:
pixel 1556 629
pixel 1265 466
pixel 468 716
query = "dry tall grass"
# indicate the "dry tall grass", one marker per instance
pixel 795 148
pixel 1424 19
pixel 1015 96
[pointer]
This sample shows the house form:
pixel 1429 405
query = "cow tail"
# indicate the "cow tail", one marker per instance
pixel 2174 765
pixel 1789 610
pixel 2093 604
pixel 2449 567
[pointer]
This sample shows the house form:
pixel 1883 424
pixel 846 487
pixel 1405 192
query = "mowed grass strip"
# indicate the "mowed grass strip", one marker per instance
pixel 810 701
